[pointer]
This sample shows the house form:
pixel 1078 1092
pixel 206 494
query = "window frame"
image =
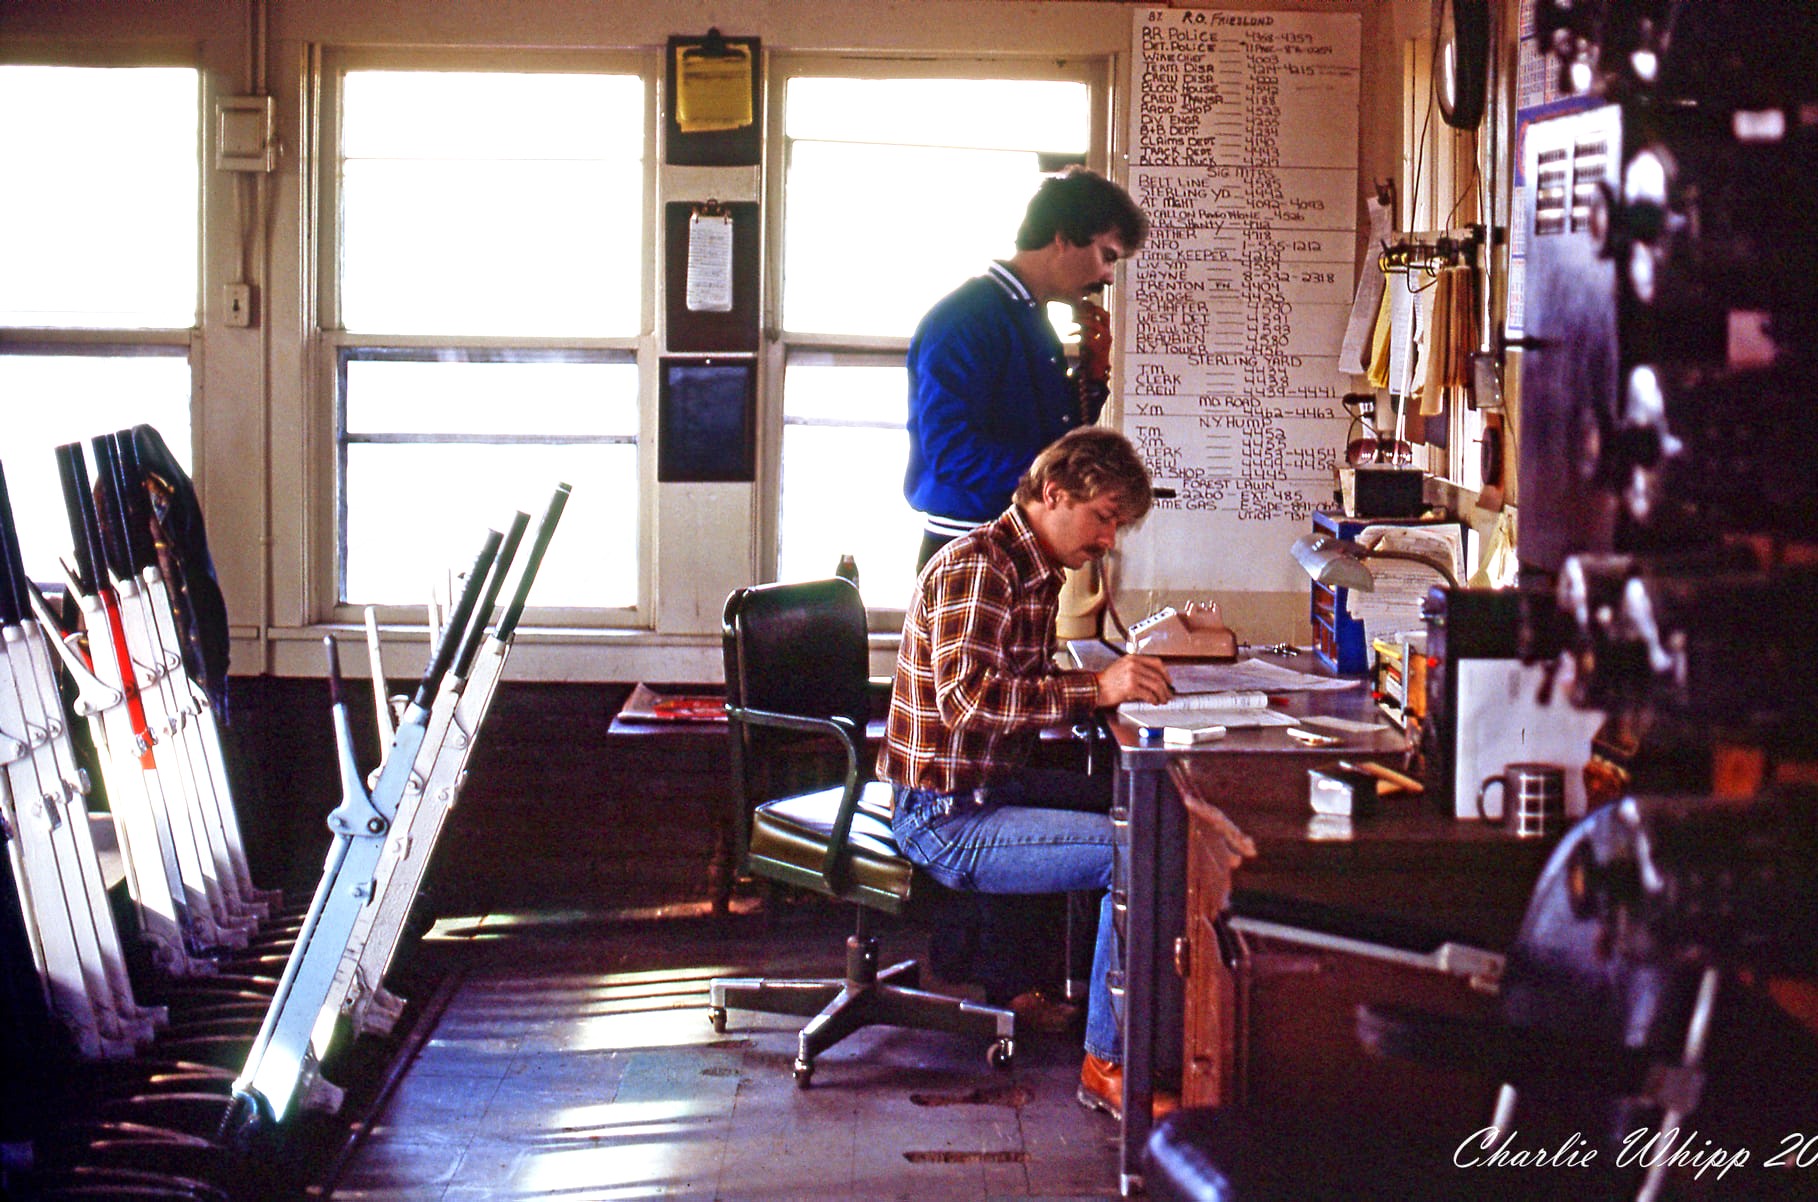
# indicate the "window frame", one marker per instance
pixel 1096 71
pixel 336 346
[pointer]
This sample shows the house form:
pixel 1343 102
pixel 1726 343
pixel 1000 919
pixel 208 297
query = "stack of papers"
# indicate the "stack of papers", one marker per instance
pixel 1251 675
pixel 1198 711
pixel 1401 586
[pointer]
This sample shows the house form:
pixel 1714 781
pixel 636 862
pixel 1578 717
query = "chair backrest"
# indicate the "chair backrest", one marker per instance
pixel 798 648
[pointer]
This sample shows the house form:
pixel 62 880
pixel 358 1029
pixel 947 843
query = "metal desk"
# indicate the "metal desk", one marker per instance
pixel 1149 885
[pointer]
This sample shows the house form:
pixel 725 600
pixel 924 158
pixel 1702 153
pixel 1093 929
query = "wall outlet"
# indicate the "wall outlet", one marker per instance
pixel 237 303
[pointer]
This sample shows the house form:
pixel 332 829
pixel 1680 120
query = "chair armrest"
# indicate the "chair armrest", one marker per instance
pixel 838 728
pixel 851 739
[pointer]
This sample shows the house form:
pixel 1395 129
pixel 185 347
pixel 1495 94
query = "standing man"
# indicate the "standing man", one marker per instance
pixel 976 683
pixel 988 382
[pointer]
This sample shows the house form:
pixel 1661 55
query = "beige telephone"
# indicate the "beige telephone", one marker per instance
pixel 1199 632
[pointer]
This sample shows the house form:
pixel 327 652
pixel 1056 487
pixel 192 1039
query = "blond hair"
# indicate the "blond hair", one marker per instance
pixel 1088 463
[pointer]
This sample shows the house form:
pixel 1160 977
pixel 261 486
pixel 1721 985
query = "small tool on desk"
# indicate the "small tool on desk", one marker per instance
pixel 1312 739
pixel 1385 774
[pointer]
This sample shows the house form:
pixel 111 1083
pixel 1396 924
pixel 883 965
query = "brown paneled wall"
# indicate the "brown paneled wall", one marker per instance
pixel 551 815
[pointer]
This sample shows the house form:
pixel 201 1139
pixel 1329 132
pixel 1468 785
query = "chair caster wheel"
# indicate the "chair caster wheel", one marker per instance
pixel 1002 1054
pixel 804 1073
pixel 717 1016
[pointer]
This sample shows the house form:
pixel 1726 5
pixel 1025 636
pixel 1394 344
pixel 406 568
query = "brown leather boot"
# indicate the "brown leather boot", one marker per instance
pixel 1101 1087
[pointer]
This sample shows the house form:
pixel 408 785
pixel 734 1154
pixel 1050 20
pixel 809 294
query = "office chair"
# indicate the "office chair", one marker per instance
pixel 797 665
pixel 1638 998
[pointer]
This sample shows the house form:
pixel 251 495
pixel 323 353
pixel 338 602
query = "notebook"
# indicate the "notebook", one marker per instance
pixel 1196 711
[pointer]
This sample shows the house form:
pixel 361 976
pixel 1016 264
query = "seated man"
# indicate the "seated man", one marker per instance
pixel 976 683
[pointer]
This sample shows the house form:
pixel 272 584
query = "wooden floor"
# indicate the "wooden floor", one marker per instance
pixel 573 1060
pixel 567 1053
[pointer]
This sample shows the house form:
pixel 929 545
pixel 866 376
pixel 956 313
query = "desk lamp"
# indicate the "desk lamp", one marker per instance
pixel 1337 563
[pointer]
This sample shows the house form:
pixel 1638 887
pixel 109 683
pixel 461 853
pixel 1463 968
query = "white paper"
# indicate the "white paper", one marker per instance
pixel 1242 142
pixel 1401 586
pixel 1502 721
pixel 1368 301
pixel 1157 716
pixel 1401 337
pixel 710 263
pixel 1195 702
pixel 1330 724
pixel 1251 674
pixel 1094 655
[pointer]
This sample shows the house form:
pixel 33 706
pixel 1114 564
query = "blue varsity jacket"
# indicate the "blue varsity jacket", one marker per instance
pixel 988 389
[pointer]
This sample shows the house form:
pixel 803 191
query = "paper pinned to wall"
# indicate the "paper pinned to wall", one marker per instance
pixel 1354 351
pixel 713 86
pixel 710 262
pixel 1401 338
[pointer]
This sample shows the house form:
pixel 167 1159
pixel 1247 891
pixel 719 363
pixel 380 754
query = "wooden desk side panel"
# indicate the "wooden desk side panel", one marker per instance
pixel 1270 1023
pixel 1209 1012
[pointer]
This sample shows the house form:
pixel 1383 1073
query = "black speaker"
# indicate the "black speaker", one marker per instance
pixel 1461 60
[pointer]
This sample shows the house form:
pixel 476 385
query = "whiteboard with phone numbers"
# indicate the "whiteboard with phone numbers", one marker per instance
pixel 1243 153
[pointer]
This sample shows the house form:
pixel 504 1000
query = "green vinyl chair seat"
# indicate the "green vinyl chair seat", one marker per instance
pixel 789 839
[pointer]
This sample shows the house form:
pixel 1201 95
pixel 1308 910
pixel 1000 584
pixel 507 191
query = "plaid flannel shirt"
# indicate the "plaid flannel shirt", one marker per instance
pixel 975 678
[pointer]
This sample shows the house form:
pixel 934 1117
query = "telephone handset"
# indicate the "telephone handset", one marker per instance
pixel 1092 375
pixel 1198 632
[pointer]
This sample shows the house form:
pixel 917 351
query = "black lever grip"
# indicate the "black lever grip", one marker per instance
pixel 457 622
pixel 79 504
pixel 476 630
pixel 15 604
pixel 135 505
pixel 112 518
pixel 508 621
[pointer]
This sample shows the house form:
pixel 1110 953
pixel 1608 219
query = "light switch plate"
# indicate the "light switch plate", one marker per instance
pixel 237 304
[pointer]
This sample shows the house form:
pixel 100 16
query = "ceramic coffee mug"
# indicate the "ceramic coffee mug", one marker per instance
pixel 1533 798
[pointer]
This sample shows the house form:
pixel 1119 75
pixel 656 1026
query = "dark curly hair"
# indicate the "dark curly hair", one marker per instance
pixel 1079 205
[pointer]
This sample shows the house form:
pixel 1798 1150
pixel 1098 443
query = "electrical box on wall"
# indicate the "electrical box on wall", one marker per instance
pixel 244 129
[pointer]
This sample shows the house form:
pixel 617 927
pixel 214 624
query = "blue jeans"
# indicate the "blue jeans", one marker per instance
pixel 1007 841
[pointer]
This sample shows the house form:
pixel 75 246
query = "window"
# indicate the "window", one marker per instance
pixel 56 398
pixel 98 271
pixel 489 309
pixel 99 224
pixel 947 166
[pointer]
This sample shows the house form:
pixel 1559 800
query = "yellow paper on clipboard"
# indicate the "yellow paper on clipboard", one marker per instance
pixel 712 90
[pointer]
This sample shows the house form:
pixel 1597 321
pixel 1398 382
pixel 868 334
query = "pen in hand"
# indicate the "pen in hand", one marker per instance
pixel 1134 678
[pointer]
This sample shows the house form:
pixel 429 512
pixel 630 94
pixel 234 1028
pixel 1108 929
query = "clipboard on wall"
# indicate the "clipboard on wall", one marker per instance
pixel 712 97
pixel 707 421
pixel 710 276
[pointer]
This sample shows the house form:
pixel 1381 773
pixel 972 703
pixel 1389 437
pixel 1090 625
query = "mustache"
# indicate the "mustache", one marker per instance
pixel 1094 289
